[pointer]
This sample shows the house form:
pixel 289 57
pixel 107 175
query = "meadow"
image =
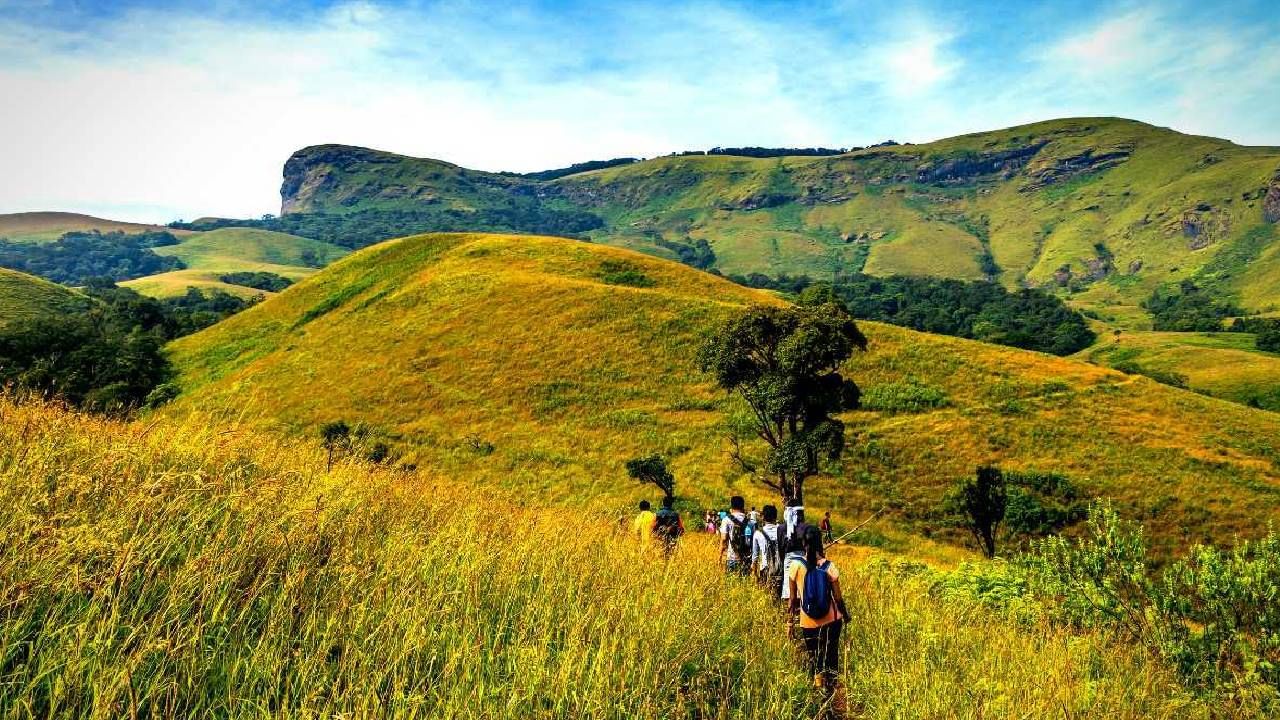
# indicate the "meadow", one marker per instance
pixel 26 297
pixel 161 569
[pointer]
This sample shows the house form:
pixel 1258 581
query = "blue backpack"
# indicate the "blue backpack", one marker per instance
pixel 817 591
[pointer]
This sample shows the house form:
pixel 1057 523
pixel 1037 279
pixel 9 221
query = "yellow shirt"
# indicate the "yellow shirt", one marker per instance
pixel 797 573
pixel 643 526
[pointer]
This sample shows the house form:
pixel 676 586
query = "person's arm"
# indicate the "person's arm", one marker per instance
pixel 724 540
pixel 838 594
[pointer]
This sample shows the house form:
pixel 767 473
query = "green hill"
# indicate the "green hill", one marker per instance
pixel 520 361
pixel 1104 209
pixel 25 297
pixel 210 255
pixel 45 226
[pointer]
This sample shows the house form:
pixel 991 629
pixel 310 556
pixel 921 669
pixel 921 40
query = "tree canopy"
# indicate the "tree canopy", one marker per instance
pixel 785 363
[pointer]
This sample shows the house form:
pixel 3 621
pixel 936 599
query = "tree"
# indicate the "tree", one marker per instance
pixel 785 362
pixel 652 469
pixel 334 435
pixel 982 501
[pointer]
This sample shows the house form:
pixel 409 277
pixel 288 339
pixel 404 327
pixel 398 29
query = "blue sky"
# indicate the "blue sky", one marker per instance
pixel 155 111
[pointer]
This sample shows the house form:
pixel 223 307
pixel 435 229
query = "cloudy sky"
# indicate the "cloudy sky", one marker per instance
pixel 156 111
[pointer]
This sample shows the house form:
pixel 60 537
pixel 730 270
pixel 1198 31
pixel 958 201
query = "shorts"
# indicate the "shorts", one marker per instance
pixel 822 648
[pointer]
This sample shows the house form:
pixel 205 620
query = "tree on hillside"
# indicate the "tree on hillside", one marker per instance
pixel 785 363
pixel 652 470
pixel 334 435
pixel 981 502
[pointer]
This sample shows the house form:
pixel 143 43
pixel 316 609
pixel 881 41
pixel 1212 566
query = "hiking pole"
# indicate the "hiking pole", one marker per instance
pixel 859 527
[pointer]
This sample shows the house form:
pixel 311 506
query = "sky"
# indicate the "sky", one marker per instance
pixel 153 111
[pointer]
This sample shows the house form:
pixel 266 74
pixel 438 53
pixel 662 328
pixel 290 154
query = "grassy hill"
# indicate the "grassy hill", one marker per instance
pixel 520 362
pixel 189 571
pixel 24 297
pixel 210 255
pixel 45 226
pixel 1101 208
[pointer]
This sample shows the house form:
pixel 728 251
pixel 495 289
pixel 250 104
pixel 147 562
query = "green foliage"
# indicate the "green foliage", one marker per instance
pixel 981 502
pixel 77 256
pixel 1041 504
pixel 904 396
pixel 269 281
pixel 588 166
pixel 1268 339
pixel 652 470
pixel 621 272
pixel 1213 614
pixel 785 362
pixel 1164 377
pixel 1190 309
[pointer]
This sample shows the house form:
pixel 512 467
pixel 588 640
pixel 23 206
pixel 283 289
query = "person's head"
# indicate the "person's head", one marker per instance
pixel 737 503
pixel 644 505
pixel 668 501
pixel 812 545
pixel 770 514
pixel 827 514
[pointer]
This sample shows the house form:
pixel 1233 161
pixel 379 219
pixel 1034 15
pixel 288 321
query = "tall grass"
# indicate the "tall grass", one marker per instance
pixel 180 570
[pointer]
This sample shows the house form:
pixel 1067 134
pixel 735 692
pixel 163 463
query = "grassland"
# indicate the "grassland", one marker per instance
pixel 25 297
pixel 510 361
pixel 188 570
pixel 1222 364
pixel 210 255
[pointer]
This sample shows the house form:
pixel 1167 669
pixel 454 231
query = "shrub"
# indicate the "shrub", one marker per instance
pixel 903 396
pixel 621 272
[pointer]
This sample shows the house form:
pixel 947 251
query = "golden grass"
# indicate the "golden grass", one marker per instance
pixel 49 226
pixel 508 361
pixel 179 569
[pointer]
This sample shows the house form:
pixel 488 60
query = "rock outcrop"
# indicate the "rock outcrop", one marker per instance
pixel 1271 203
pixel 1061 169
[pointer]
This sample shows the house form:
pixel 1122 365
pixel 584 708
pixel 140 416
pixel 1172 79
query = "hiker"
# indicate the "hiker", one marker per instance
pixel 753 519
pixel 709 521
pixel 642 526
pixel 793 516
pixel 667 526
pixel 825 525
pixel 734 546
pixel 794 554
pixel 815 592
pixel 766 555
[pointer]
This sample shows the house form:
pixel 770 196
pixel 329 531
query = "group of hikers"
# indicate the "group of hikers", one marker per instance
pixel 786 555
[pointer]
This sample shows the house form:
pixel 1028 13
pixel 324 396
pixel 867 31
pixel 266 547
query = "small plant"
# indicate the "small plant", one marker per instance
pixel 334 436
pixel 904 396
pixel 621 272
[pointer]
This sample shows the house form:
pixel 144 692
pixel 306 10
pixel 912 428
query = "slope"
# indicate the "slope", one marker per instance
pixel 25 297
pixel 520 361
pixel 210 255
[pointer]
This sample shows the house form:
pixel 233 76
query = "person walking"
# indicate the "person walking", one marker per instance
pixel 642 526
pixel 816 596
pixel 825 525
pixel 766 554
pixel 667 525
pixel 734 547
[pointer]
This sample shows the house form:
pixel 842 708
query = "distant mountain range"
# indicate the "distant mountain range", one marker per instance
pixel 1107 210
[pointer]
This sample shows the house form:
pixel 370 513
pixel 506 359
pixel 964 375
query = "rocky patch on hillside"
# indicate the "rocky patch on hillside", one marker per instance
pixel 1271 203
pixel 1057 170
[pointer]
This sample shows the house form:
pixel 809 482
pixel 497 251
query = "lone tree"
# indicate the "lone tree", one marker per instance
pixel 981 501
pixel 334 435
pixel 785 363
pixel 652 469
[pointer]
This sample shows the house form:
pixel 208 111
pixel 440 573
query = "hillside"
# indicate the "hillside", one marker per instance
pixel 210 255
pixel 1105 209
pixel 521 362
pixel 43 226
pixel 24 297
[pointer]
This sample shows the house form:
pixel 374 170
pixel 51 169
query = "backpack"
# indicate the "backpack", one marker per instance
pixel 817 591
pixel 738 538
pixel 667 525
pixel 776 559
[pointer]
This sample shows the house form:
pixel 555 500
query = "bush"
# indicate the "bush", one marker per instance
pixel 77 256
pixel 268 281
pixel 621 272
pixel 904 396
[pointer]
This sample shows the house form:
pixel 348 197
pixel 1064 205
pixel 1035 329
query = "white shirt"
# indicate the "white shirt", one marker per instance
pixel 760 557
pixel 790 516
pixel 791 558
pixel 726 529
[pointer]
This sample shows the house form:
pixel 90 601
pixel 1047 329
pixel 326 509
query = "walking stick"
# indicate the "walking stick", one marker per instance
pixel 859 527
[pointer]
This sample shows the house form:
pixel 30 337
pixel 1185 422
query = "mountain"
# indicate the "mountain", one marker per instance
pixel 1104 210
pixel 542 364
pixel 208 256
pixel 26 297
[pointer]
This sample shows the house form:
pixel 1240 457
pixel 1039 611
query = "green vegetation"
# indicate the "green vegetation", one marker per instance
pixel 26 297
pixel 270 282
pixel 785 365
pixel 77 256
pixel 1188 310
pixel 576 168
